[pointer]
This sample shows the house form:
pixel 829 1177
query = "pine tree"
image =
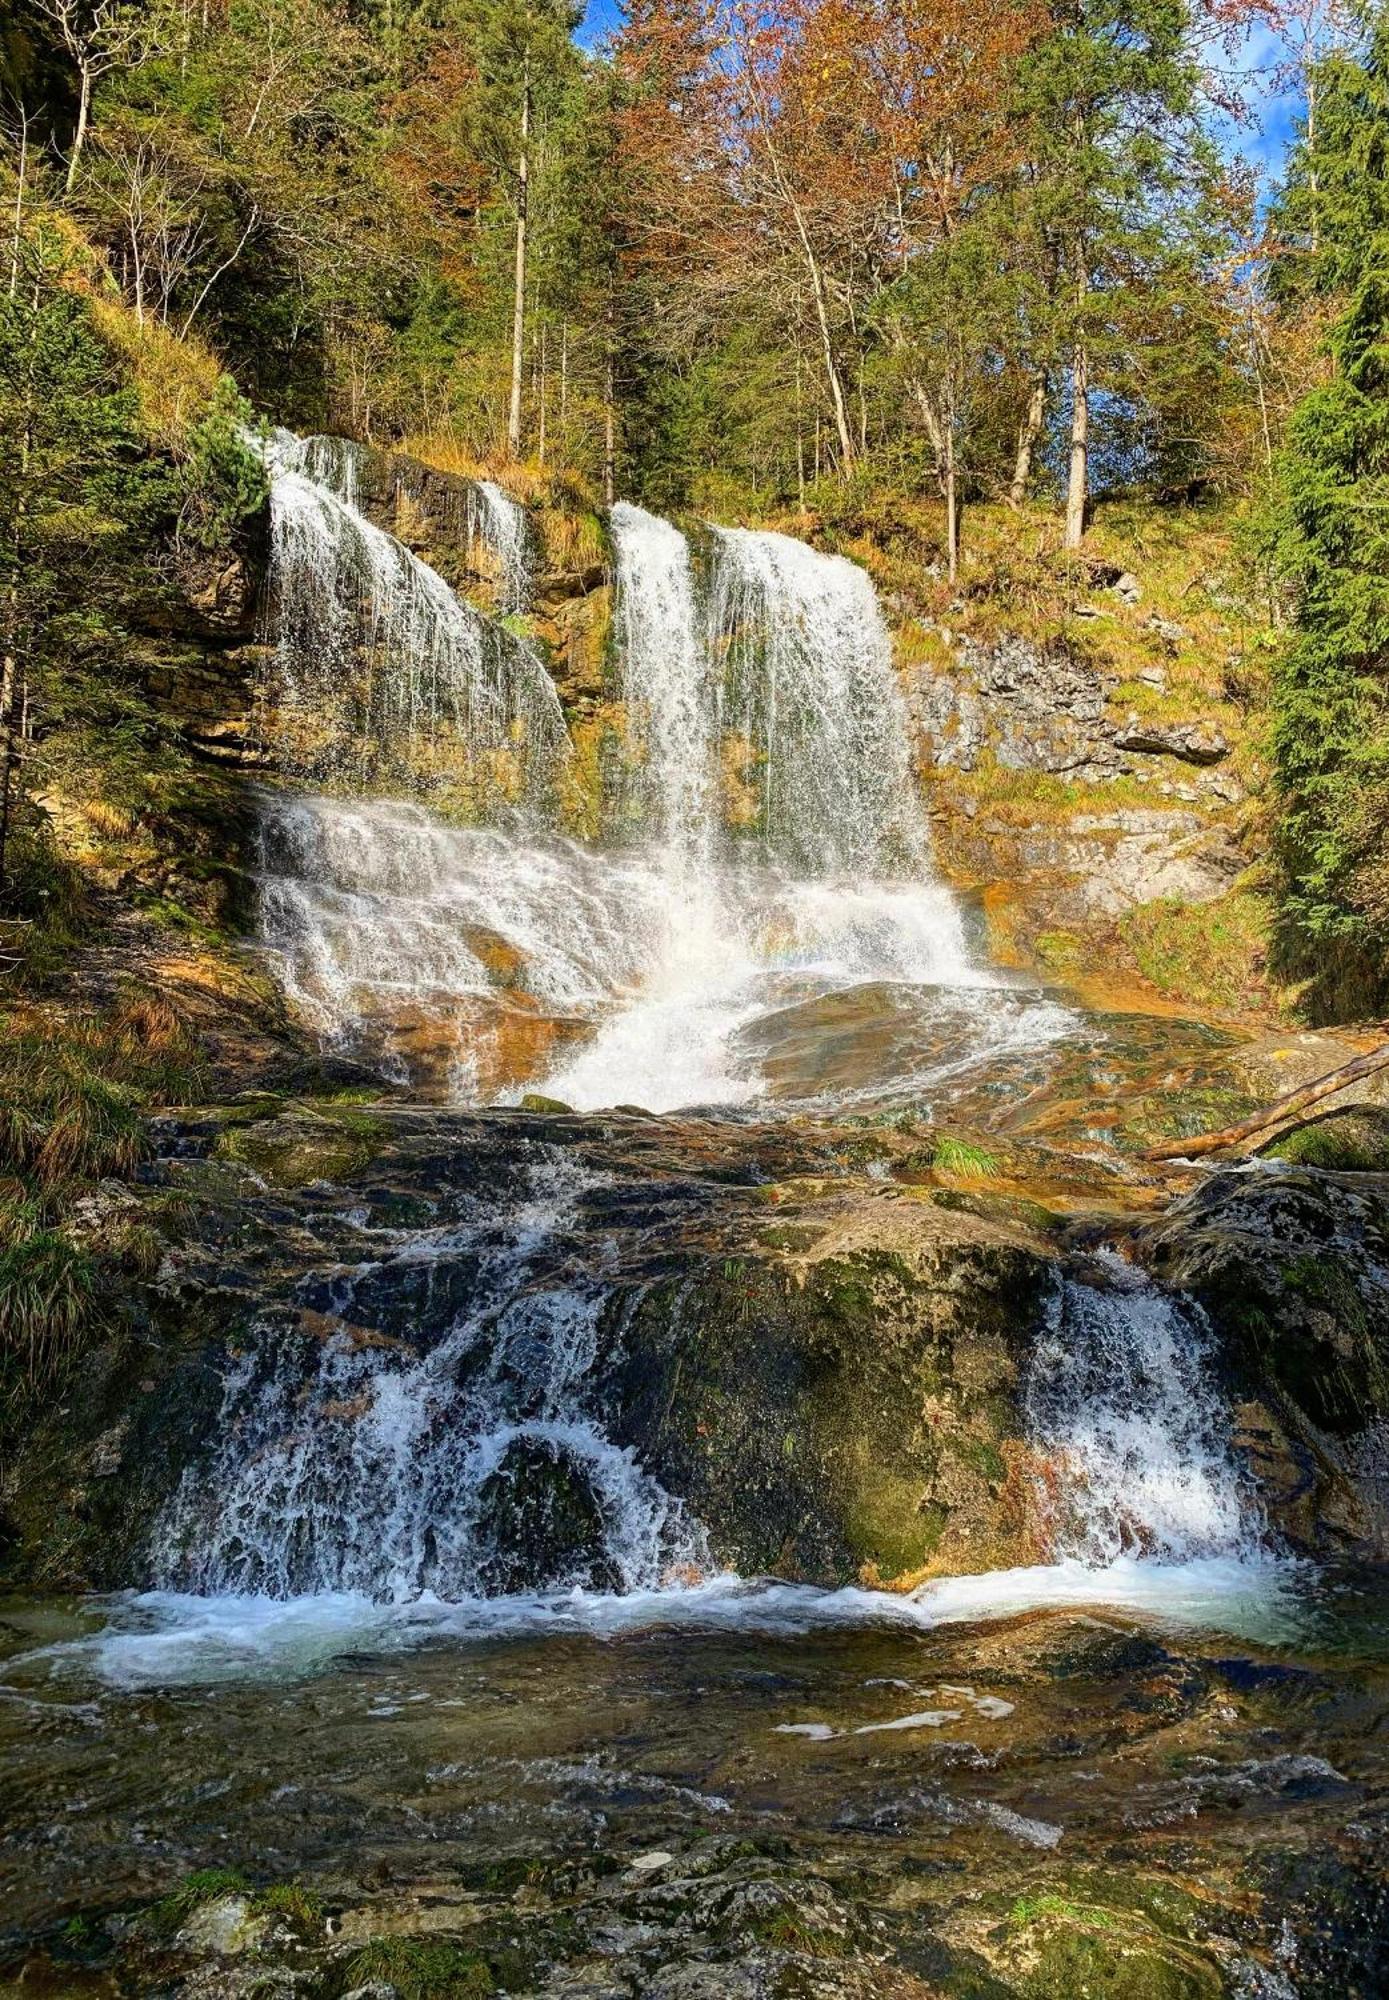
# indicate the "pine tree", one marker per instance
pixel 1328 538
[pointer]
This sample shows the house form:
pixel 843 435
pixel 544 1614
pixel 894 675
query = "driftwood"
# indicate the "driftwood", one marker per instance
pixel 1289 1107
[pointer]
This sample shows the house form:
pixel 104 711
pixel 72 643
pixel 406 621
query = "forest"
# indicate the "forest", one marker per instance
pixel 869 266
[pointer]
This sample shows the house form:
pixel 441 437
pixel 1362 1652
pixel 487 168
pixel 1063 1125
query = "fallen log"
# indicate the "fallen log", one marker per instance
pixel 1286 1108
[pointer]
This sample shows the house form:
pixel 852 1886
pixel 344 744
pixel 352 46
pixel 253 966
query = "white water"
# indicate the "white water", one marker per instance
pixel 381 672
pixel 810 686
pixel 670 689
pixel 499 521
pixel 361 1493
pixel 379 914
pixel 354 1464
pixel 1122 1397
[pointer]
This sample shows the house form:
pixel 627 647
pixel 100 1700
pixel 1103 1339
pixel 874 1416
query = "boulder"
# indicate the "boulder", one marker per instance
pixel 1193 742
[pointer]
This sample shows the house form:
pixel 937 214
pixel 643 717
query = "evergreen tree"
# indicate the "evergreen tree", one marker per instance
pixel 1328 537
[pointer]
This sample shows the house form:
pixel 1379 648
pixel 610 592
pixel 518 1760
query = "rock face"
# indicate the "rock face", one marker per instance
pixel 1091 868
pixel 1035 707
pixel 850 1408
pixel 1292 1265
pixel 817 1351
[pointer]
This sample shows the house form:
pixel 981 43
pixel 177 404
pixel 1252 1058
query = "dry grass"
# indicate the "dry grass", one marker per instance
pixel 173 379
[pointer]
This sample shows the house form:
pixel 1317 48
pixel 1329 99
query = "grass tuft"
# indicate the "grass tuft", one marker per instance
pixel 959 1160
pixel 419 1969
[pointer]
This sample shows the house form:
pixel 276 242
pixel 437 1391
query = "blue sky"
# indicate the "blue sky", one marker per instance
pixel 599 16
pixel 1263 145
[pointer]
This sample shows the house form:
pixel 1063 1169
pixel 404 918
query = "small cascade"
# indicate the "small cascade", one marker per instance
pixel 1123 1401
pixel 382 675
pixel 500 524
pixel 462 1458
pixel 669 684
pixel 812 704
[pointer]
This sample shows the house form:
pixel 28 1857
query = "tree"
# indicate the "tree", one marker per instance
pixel 100 36
pixel 524 60
pixel 1111 97
pixel 1327 536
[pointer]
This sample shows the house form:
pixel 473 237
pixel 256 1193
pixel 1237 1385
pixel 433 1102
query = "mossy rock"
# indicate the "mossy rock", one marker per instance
pixel 303 1146
pixel 1352 1141
pixel 1060 1948
pixel 417 1968
pixel 840 1417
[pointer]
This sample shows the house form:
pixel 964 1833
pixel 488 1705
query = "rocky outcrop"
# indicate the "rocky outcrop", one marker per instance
pixel 1028 706
pixel 825 1370
pixel 1082 872
pixel 1292 1266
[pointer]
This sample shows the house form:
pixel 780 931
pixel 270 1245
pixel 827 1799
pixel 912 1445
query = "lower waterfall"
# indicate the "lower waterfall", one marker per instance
pixel 473 1467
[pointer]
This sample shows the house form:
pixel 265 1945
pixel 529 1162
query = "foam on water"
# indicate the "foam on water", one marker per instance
pixel 169 1638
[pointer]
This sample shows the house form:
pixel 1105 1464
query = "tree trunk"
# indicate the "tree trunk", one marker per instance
pixel 13 691
pixel 1077 486
pixel 952 508
pixel 518 311
pixel 17 238
pixel 1028 435
pixel 79 137
pixel 610 399
pixel 544 387
pixel 1284 1111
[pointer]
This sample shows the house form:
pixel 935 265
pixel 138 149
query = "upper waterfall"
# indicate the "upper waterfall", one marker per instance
pixel 811 705
pixel 383 676
pixel 773 846
pixel 670 689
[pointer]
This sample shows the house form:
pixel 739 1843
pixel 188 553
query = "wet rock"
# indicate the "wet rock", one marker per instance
pixel 535 1100
pixel 1292 1265
pixel 847 1411
pixel 543 1521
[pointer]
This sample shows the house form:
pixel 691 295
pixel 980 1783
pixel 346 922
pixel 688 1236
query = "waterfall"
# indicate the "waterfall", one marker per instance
pixel 1123 1401
pixel 499 522
pixel 778 850
pixel 811 693
pixel 382 675
pixel 471 1467
pixel 669 685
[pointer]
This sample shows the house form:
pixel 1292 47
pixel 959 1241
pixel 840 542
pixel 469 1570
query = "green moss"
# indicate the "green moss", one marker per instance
pixel 418 1969
pixel 1352 1141
pixel 1063 953
pixel 331 1144
pixel 1063 1947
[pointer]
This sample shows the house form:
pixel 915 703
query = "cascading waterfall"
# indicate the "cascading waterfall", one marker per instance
pixel 774 850
pixel 811 693
pixel 470 1467
pixel 669 685
pixel 499 522
pixel 1123 1402
pixel 382 674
